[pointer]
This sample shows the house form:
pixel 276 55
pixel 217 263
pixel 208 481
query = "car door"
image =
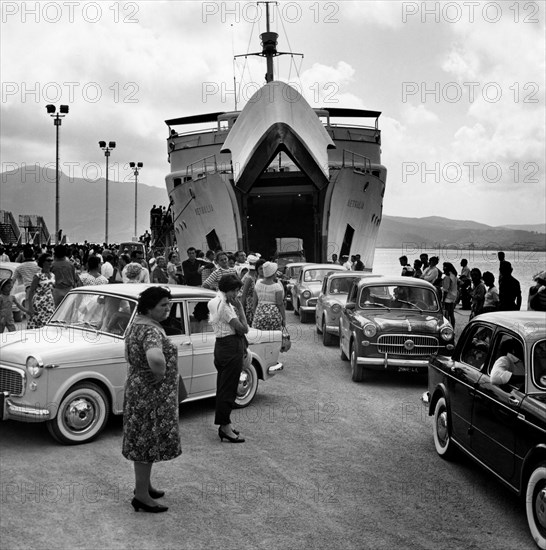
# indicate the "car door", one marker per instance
pixel 176 329
pixel 346 319
pixel 202 338
pixel 466 369
pixel 494 417
pixel 320 305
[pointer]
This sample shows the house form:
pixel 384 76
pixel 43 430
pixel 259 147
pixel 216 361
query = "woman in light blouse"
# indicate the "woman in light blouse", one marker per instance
pixel 228 319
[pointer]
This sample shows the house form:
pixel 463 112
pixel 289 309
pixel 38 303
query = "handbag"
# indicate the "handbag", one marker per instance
pixel 182 392
pixel 286 343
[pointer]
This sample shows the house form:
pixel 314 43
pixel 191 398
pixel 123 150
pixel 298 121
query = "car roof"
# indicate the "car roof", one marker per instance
pixel 526 323
pixel 345 273
pixel 128 290
pixel 383 280
pixel 296 264
pixel 9 265
pixel 326 266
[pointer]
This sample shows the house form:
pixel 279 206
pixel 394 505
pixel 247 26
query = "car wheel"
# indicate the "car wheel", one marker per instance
pixel 327 338
pixel 535 504
pixel 303 316
pixel 289 305
pixel 442 430
pixel 248 386
pixel 82 415
pixel 357 371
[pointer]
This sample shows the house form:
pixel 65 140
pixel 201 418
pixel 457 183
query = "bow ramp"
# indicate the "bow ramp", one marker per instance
pixel 277 118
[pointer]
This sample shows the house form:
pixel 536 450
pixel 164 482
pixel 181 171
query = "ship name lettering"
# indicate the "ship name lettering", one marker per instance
pixel 204 209
pixel 355 204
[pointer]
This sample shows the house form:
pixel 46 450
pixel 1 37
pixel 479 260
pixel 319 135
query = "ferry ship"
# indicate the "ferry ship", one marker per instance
pixel 277 168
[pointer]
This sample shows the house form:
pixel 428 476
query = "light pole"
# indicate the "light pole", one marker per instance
pixel 111 145
pixel 57 121
pixel 135 168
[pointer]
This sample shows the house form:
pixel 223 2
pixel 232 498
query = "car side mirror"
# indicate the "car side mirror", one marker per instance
pixel 350 306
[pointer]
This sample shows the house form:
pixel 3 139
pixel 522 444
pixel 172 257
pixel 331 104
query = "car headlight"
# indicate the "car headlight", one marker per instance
pixel 306 294
pixel 370 330
pixel 446 333
pixel 34 367
pixel 336 308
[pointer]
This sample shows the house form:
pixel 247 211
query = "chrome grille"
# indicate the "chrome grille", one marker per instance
pixel 12 381
pixel 395 343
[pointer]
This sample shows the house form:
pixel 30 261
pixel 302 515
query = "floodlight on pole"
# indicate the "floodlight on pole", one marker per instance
pixel 135 168
pixel 57 121
pixel 102 145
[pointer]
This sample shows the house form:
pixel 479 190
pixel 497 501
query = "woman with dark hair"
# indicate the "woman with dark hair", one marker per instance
pixel 230 326
pixel 478 292
pixel 449 291
pixel 40 296
pixel 150 415
pixel 491 300
pixel 93 275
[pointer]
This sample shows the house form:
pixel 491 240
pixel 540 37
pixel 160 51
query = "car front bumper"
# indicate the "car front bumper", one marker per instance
pixel 397 364
pixel 24 413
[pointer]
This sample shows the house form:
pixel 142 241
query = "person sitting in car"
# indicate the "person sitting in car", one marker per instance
pixel 508 368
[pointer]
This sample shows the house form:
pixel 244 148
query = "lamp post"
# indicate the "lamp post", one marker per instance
pixel 135 167
pixel 57 121
pixel 111 145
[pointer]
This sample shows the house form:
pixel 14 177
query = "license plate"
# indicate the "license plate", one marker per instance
pixel 408 369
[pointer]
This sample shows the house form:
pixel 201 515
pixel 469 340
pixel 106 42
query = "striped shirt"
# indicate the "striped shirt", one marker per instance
pixel 213 279
pixel 25 272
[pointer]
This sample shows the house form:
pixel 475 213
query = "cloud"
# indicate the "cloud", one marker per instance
pixel 418 114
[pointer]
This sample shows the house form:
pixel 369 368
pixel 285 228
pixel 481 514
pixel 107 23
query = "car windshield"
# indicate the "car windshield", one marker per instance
pixel 94 311
pixel 398 297
pixel 539 364
pixel 316 275
pixel 340 285
pixel 293 272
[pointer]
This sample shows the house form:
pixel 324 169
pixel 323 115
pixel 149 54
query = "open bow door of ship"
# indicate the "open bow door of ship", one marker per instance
pixel 279 153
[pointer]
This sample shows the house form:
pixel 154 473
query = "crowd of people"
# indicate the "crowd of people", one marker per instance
pixel 474 290
pixel 48 273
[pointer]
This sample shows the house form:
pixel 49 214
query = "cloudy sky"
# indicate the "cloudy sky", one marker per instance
pixel 460 86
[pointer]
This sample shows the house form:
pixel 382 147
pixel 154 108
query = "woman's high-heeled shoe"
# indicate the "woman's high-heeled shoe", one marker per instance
pixel 223 436
pixel 153 493
pixel 137 505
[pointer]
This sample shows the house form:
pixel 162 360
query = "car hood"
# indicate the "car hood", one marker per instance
pixel 56 345
pixel 413 322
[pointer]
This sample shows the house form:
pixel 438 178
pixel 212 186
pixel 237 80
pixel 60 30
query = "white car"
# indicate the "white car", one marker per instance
pixel 71 373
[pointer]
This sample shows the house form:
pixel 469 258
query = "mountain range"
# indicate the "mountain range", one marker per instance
pixel 31 190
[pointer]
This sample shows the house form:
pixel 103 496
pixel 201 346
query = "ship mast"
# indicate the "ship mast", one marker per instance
pixel 269 45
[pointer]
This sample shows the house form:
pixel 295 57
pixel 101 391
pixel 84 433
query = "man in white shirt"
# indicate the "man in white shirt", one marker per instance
pixel 508 368
pixel 107 269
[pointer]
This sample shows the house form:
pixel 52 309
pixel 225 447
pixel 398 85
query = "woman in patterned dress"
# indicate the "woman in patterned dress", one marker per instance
pixel 150 415
pixel 40 296
pixel 269 311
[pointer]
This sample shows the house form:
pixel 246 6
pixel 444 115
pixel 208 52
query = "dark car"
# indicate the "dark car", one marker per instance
pixel 392 323
pixel 502 427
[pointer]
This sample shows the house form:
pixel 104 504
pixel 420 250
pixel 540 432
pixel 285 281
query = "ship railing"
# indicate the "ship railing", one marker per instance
pixel 356 161
pixel 200 167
